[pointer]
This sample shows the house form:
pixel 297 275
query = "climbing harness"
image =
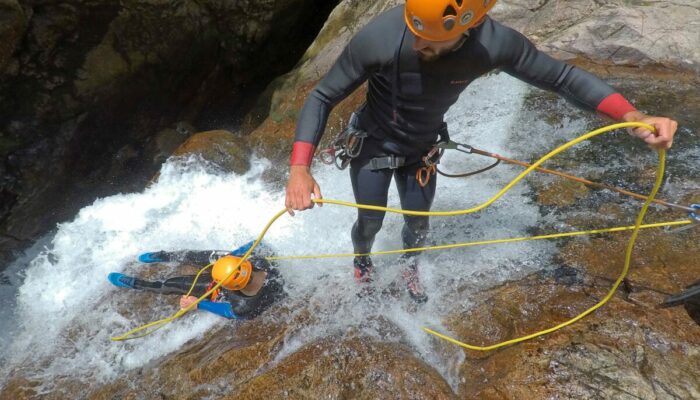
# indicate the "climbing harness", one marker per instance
pixel 694 218
pixel 387 162
pixel 346 146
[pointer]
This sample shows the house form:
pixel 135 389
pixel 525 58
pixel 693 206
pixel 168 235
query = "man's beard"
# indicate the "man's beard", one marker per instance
pixel 429 57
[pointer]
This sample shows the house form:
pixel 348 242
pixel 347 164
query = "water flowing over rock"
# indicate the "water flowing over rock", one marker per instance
pixel 603 32
pixel 630 348
pixel 222 148
pixel 84 87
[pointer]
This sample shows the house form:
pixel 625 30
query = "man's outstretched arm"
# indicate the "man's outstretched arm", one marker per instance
pixel 520 58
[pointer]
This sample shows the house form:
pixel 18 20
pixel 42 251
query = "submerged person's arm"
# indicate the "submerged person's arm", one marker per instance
pixel 222 309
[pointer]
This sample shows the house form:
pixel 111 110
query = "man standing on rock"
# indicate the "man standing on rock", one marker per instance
pixel 418 58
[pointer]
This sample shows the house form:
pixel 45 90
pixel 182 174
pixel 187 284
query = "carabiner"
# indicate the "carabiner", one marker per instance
pixel 327 156
pixel 427 172
pixel 430 159
pixel 695 215
pixel 342 160
pixel 452 145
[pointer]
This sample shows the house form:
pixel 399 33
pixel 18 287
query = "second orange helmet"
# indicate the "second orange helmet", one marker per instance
pixel 232 272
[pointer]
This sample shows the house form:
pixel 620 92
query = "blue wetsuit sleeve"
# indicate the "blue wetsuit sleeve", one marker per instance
pixel 223 309
pixel 239 252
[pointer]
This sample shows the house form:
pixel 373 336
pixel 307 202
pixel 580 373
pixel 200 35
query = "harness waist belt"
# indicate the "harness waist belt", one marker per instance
pixel 390 162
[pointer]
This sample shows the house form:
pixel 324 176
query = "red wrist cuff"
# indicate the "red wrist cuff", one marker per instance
pixel 302 153
pixel 615 106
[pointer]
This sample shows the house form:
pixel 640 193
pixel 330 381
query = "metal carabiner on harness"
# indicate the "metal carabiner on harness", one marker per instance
pixel 694 217
pixel 423 175
pixel 327 156
pixel 450 145
pixel 464 148
pixel 346 146
pixel 429 168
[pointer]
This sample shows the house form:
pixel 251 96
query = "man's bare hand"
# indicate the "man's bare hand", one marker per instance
pixel 665 129
pixel 300 186
pixel 185 301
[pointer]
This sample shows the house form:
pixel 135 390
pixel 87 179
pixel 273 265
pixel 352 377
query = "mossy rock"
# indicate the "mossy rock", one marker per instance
pixel 13 23
pixel 220 147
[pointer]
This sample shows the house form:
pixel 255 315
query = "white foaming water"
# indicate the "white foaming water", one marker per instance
pixel 69 311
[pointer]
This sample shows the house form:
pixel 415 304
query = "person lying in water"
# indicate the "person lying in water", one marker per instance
pixel 248 288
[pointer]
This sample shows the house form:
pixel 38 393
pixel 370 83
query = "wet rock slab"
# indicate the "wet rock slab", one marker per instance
pixel 627 349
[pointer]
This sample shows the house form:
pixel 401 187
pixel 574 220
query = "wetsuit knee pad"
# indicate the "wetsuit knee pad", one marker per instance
pixel 367 226
pixel 415 231
pixel 363 232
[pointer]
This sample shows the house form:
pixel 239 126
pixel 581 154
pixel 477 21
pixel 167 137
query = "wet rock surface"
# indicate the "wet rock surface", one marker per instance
pixel 222 148
pixel 86 86
pixel 611 32
pixel 629 348
pixel 272 123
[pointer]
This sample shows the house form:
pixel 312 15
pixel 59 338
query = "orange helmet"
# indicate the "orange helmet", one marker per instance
pixel 232 272
pixel 439 20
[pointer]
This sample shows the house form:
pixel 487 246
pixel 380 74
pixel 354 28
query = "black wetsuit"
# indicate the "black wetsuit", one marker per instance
pixel 230 304
pixel 407 99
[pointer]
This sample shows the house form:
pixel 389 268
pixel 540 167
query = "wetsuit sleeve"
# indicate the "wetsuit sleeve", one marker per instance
pixel 223 309
pixel 518 56
pixel 357 61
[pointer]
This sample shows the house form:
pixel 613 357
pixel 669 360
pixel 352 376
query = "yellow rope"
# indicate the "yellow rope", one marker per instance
pixel 485 242
pixel 662 156
pixel 623 274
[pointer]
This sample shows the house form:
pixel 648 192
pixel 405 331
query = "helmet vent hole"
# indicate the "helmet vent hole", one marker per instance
pixel 449 24
pixel 466 17
pixel 417 23
pixel 449 10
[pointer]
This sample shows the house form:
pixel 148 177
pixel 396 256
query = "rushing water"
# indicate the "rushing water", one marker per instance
pixel 62 311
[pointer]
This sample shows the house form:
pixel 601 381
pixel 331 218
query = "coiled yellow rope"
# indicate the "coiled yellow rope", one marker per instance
pixel 623 274
pixel 635 230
